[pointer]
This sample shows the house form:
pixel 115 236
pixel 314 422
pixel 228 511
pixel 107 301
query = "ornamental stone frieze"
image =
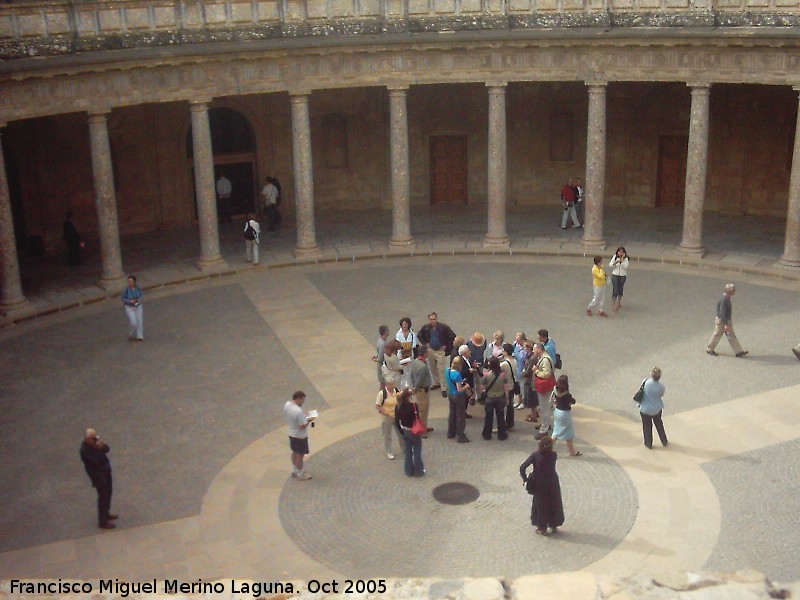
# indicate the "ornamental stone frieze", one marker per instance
pixel 87 87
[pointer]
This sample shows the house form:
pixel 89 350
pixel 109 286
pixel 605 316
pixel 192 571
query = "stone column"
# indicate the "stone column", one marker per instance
pixel 11 299
pixel 401 213
pixel 113 277
pixel 791 245
pixel 696 169
pixel 496 236
pixel 303 177
pixel 595 168
pixel 203 156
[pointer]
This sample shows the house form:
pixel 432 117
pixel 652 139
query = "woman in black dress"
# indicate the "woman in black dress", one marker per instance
pixel 546 509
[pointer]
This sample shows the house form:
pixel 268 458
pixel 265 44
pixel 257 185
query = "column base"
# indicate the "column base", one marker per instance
pixel 696 251
pixel 787 263
pixel 209 265
pixel 112 284
pixel 496 242
pixel 16 308
pixel 593 243
pixel 307 251
pixel 401 244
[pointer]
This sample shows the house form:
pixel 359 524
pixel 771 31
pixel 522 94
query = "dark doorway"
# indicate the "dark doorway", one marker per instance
pixel 233 143
pixel 672 155
pixel 448 169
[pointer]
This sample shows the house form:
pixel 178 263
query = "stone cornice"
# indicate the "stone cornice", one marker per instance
pixel 282 71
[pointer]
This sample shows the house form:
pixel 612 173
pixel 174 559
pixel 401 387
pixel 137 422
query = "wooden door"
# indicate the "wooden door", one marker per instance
pixel 672 155
pixel 448 169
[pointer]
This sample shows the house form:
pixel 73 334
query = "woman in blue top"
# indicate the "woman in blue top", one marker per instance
pixel 456 393
pixel 651 408
pixel 132 300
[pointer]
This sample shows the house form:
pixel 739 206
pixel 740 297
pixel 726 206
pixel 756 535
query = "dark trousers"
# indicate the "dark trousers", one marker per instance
pixel 103 485
pixel 647 429
pixel 413 464
pixel 617 285
pixel 495 406
pixel 457 419
pixel 74 252
pixel 273 217
pixel 510 410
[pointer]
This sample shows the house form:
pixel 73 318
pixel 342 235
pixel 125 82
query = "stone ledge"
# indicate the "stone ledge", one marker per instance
pixel 741 585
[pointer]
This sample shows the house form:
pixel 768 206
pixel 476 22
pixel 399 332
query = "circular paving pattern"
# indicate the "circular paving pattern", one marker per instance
pixel 456 492
pixel 362 517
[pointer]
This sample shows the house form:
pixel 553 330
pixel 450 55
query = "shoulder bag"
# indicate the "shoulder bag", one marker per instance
pixel 418 428
pixel 639 396
pixel 485 393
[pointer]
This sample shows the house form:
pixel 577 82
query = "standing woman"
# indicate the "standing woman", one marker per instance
pixel 599 282
pixel 651 408
pixel 386 403
pixel 563 427
pixel 407 338
pixel 496 387
pixel 404 416
pixel 457 394
pixel 391 367
pixel 619 273
pixel 546 507
pixel 132 300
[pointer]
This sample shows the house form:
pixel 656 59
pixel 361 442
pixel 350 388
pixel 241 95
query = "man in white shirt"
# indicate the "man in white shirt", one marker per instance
pixel 224 189
pixel 270 193
pixel 251 232
pixel 298 422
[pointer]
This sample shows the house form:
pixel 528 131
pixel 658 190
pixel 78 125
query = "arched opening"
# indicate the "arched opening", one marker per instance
pixel 235 173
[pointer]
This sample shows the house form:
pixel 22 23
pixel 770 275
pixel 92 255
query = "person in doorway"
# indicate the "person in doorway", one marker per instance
pixel 619 274
pixel 73 239
pixel 132 301
pixel 252 231
pixel 278 200
pixel 599 281
pixel 723 324
pixel 94 454
pixel 580 194
pixel 224 189
pixel 270 193
pixel 298 421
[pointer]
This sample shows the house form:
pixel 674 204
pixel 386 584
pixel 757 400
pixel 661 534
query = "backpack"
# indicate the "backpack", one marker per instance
pixel 249 232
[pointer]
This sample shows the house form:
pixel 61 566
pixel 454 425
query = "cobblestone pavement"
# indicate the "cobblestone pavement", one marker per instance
pixel 363 516
pixel 200 457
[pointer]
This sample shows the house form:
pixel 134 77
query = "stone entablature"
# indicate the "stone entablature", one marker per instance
pixel 98 87
pixel 60 27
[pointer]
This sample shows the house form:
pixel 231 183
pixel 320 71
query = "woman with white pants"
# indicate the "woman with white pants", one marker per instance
pixel 132 300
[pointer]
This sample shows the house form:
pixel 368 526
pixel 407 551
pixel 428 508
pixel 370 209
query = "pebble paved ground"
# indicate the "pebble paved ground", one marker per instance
pixel 192 416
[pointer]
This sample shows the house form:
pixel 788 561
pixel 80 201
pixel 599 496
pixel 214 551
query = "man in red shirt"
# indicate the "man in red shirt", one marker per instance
pixel 568 202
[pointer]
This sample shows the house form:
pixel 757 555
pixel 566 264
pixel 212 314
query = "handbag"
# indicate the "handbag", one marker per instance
pixel 544 386
pixel 530 484
pixel 558 364
pixel 418 428
pixel 639 396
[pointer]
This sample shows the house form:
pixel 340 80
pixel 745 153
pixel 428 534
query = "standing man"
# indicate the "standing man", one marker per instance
pixel 544 382
pixel 132 301
pixel 270 193
pixel 277 184
pixel 549 345
pixel 297 420
pixel 724 324
pixel 439 338
pixel 421 382
pixel 224 189
pixel 72 237
pixel 568 203
pixel 521 355
pixel 251 232
pixel 94 454
pixel 380 347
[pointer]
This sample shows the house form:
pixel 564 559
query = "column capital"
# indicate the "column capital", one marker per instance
pixel 796 88
pixel 600 84
pixel 397 87
pixel 199 105
pixel 96 116
pixel 699 86
pixel 496 85
pixel 299 95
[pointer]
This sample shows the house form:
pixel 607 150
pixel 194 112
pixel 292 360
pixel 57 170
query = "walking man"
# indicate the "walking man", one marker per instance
pixel 297 420
pixel 94 454
pixel 421 382
pixel 439 338
pixel 724 324
pixel 568 203
pixel 270 193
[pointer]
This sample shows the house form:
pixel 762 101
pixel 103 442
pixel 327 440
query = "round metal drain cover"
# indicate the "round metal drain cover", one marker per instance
pixel 456 492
